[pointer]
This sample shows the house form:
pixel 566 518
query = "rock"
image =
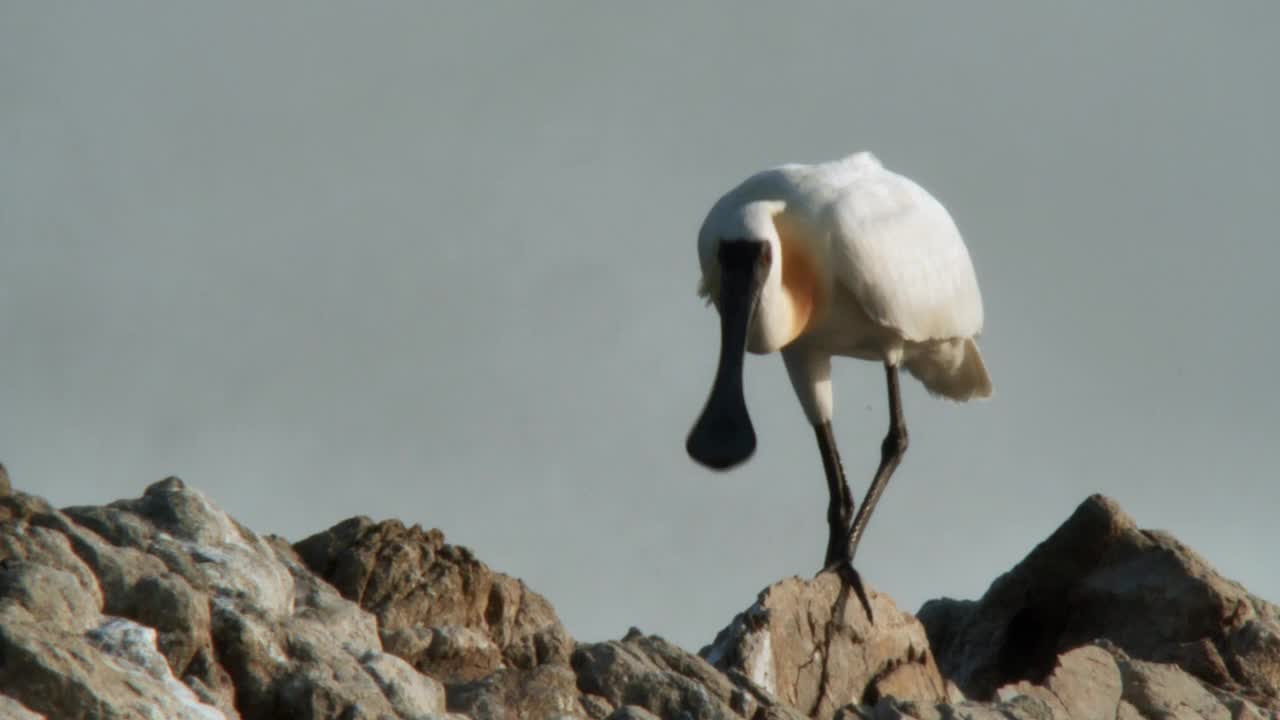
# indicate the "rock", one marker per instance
pixel 805 643
pixel 412 694
pixel 437 606
pixel 632 712
pixel 111 671
pixel 166 602
pixel 639 670
pixel 13 710
pixel 547 691
pixel 595 707
pixel 1099 577
pixel 164 606
pixel 1085 684
pixel 49 595
pixel 452 653
pixel 6 487
pixel 649 672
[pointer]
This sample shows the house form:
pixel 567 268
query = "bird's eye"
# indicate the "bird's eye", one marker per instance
pixel 766 254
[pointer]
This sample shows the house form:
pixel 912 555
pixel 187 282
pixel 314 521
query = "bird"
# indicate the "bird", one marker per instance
pixel 843 258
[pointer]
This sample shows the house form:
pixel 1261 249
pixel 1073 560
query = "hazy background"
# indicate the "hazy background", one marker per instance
pixel 437 262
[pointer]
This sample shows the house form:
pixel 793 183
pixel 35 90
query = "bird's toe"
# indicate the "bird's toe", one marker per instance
pixel 851 580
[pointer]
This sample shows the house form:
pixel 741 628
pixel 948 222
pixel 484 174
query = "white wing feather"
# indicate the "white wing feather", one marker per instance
pixel 898 250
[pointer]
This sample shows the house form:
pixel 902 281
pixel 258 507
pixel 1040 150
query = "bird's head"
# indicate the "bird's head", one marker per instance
pixel 739 250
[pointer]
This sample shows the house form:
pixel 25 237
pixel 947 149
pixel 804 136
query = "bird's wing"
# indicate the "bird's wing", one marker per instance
pixel 898 250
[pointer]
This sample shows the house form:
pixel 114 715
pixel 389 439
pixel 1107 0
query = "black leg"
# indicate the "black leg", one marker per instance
pixel 840 506
pixel 891 452
pixel 839 520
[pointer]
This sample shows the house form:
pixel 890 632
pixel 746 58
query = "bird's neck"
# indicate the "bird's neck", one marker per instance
pixel 792 292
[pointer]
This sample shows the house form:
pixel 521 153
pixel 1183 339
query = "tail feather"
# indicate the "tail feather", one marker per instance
pixel 950 368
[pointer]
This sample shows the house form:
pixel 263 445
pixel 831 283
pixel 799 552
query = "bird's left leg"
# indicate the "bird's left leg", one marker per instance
pixel 891 452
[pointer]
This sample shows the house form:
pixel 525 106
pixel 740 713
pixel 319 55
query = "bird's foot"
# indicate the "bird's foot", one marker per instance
pixel 850 579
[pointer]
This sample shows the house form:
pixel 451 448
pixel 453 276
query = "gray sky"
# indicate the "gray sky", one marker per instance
pixel 438 262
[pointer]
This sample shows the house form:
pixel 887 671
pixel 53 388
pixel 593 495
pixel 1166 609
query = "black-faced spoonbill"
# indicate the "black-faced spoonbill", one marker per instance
pixel 842 258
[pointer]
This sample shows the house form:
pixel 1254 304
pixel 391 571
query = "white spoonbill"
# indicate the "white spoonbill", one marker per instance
pixel 840 258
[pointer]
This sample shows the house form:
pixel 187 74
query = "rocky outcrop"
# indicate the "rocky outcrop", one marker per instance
pixel 164 606
pixel 437 605
pixel 1099 577
pixel 805 644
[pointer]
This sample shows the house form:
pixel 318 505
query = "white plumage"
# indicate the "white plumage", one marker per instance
pixel 891 278
pixel 841 258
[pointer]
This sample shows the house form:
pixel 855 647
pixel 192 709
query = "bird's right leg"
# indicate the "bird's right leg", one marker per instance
pixel 810 372
pixel 839 559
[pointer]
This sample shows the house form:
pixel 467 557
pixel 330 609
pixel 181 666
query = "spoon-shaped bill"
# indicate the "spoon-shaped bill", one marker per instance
pixel 723 436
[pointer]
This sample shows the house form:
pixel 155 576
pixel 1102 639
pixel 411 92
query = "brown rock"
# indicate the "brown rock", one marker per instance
pixel 68 674
pixel 11 709
pixel 595 707
pixel 1100 577
pixel 649 672
pixel 547 691
pixel 164 605
pixel 450 652
pixel 1085 684
pixel 810 645
pixel 632 712
pixel 412 581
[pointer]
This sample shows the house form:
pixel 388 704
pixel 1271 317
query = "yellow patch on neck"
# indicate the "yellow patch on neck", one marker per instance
pixel 799 282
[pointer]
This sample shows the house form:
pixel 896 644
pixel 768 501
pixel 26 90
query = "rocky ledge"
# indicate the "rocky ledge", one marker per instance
pixel 165 607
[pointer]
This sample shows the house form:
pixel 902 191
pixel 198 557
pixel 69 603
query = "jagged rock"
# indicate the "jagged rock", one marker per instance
pixel 547 691
pixel 1085 684
pixel 11 709
pixel 648 672
pixel 163 606
pixel 595 707
pixel 811 646
pixel 165 602
pixel 1100 577
pixel 632 712
pixel 438 607
pixel 111 671
pixel 450 652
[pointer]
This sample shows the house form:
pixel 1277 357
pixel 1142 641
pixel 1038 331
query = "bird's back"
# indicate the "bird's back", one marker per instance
pixel 892 244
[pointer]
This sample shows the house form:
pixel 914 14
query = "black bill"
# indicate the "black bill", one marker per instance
pixel 723 436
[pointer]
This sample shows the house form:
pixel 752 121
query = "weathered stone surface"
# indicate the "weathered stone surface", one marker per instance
pixel 11 709
pixel 595 707
pixel 437 606
pixel 649 672
pixel 165 602
pixel 163 606
pixel 111 671
pixel 809 644
pixel 1100 577
pixel 1086 683
pixel 547 691
pixel 450 652
pixel 632 712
